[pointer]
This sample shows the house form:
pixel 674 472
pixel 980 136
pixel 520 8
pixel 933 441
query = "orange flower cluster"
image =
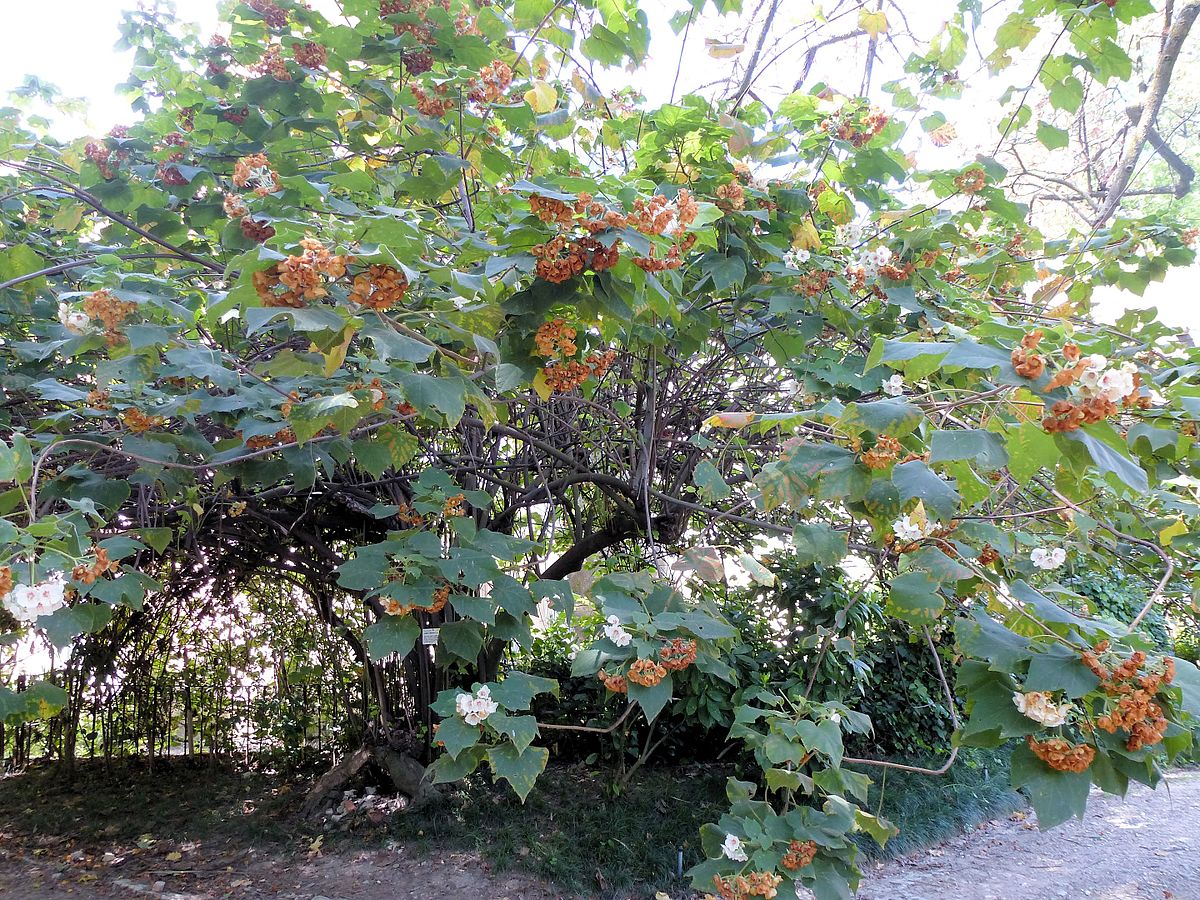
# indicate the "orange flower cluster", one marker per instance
pixel 897 273
pixel 301 276
pixel 170 175
pixel 105 159
pixel 310 55
pixel 656 215
pixel 138 422
pixel 1028 363
pixel 731 196
pixel 812 283
pixel 255 172
pixel 551 210
pixel 988 555
pixel 1135 711
pixel 100 400
pixel 6 580
pixel 646 672
pixel 418 62
pixel 236 115
pixel 272 63
pixel 89 574
pixel 615 683
pixel 235 206
pixel 756 884
pixel 434 105
pixel 883 454
pixel 678 654
pixel 559 260
pixel 417 8
pixel 101 306
pixel 652 263
pixel 259 232
pixel 493 81
pixel 1062 755
pixel 799 854
pixel 263 441
pixel 858 135
pixel 394 607
pixel 566 376
pixel 454 506
pixel 273 14
pixel 380 287
pixel 406 515
pixel 555 338
pixel 971 181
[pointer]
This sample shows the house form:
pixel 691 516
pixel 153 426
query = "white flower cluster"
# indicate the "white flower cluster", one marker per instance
pixel 1040 706
pixel 474 708
pixel 1113 384
pixel 908 529
pixel 871 261
pixel 849 234
pixel 733 848
pixel 1048 559
pixel 28 602
pixel 894 386
pixel 73 320
pixel 797 258
pixel 615 632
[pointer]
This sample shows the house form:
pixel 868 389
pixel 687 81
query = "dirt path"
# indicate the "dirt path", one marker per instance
pixel 1146 847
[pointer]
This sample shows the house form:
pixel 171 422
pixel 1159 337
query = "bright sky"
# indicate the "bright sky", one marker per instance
pixel 81 62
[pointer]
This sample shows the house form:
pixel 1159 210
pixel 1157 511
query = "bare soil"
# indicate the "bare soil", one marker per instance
pixel 1146 847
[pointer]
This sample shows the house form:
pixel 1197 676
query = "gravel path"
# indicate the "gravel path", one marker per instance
pixel 1145 847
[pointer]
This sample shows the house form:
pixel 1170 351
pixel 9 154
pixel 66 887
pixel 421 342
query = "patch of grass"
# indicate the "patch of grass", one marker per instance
pixel 929 809
pixel 184 799
pixel 575 833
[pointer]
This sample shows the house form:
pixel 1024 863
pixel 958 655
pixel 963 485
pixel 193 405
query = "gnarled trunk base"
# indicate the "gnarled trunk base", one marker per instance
pixel 408 776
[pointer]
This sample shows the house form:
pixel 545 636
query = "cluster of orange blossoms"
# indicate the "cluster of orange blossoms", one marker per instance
pixel 756 884
pixel 259 232
pixel 6 580
pixel 436 104
pixel 272 63
pixel 454 506
pixel 310 55
pixel 99 400
pixel 102 566
pixel 437 603
pixel 883 454
pixel 860 134
pixel 263 441
pixel 1062 755
pixel 566 376
pixel 646 672
pixel 1028 363
pixel 301 276
pixel 273 14
pixel 1135 711
pixel 493 81
pixel 812 283
pixel 731 196
pixel 101 306
pixel 555 338
pixel 971 181
pixel 138 422
pixel 799 854
pixel 615 683
pixel 380 287
pixel 678 654
pixel 255 172
pixel 673 259
pixel 406 515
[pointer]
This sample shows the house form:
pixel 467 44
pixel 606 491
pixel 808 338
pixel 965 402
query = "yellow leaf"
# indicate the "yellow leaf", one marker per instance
pixel 805 237
pixel 542 97
pixel 174 856
pixel 730 420
pixel 540 387
pixel 944 134
pixel 873 23
pixel 721 50
pixel 1172 531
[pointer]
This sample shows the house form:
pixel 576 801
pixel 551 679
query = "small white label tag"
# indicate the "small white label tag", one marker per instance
pixel 429 636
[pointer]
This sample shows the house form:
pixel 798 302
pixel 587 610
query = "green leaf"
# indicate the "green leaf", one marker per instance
pixel 457 735
pixel 520 729
pixel 651 699
pixel 64 625
pixel 708 479
pixel 984 448
pixel 1051 136
pixel 893 417
pixel 1109 459
pixel 877 827
pixel 463 638
pixel 520 768
pixel 519 688
pixel 1056 668
pixel 1030 449
pixel 915 480
pixel 1056 796
pixel 391 634
pixel 915 599
pixel 819 544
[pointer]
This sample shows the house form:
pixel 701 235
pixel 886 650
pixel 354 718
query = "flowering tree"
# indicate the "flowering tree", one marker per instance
pixel 401 310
